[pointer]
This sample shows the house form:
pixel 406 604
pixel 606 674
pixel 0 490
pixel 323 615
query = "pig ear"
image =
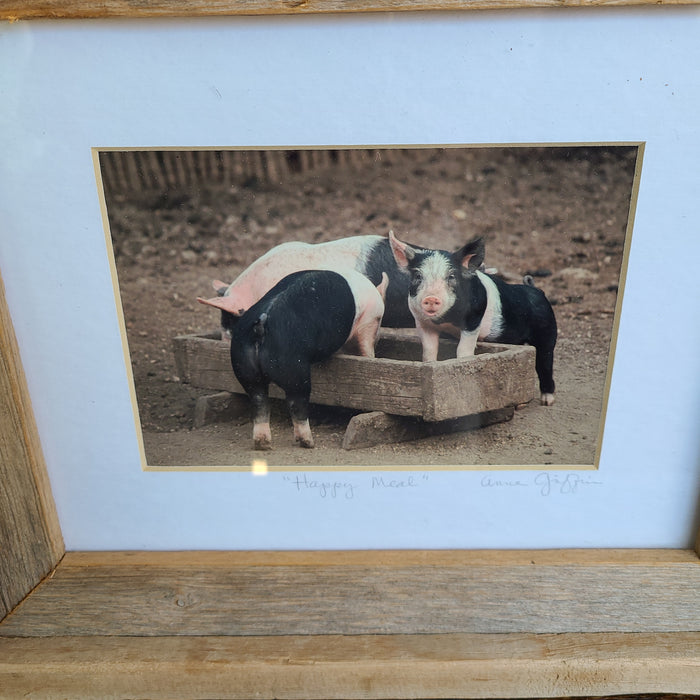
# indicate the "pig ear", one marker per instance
pixel 403 253
pixel 472 254
pixel 219 287
pixel 223 303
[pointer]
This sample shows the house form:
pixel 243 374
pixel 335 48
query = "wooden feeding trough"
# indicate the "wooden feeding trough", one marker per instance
pixel 486 387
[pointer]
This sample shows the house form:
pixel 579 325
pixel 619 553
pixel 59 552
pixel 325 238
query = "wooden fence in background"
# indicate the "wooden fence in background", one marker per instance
pixel 125 172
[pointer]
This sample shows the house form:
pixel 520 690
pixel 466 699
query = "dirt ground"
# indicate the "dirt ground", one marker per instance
pixel 560 214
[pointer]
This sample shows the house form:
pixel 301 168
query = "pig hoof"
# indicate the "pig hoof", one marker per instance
pixel 262 443
pixel 304 442
pixel 547 399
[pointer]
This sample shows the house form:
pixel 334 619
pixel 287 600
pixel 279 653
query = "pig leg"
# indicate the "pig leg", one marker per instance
pixel 366 337
pixel 297 390
pixel 246 367
pixel 544 361
pixel 544 338
pixel 467 343
pixel 262 435
pixel 302 434
pixel 293 376
pixel 430 341
pixel 299 411
pixel 370 306
pixel 363 337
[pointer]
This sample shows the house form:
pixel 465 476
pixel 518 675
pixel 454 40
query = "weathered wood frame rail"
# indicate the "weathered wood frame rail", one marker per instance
pixel 411 624
pixel 319 624
pixel 87 9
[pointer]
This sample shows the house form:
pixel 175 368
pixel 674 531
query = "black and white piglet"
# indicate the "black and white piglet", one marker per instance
pixel 303 319
pixel 448 293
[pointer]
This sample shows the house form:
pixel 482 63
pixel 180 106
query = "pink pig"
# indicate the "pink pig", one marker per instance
pixel 282 260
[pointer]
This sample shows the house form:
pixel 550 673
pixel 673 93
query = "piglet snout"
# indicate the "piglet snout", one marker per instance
pixel 431 305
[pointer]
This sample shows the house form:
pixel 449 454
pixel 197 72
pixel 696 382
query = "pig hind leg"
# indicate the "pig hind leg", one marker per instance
pixel 544 341
pixel 297 390
pixel 366 336
pixel 544 362
pixel 529 318
pixel 262 435
pixel 258 393
pixel 248 373
pixel 298 405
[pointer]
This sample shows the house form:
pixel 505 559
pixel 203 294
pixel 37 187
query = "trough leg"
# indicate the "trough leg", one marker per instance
pixel 379 428
pixel 220 407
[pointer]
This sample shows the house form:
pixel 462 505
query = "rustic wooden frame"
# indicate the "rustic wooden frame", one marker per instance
pixel 319 624
pixel 407 624
pixel 81 9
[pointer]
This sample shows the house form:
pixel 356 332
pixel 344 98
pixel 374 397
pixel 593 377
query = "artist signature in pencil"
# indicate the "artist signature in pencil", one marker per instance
pixel 546 483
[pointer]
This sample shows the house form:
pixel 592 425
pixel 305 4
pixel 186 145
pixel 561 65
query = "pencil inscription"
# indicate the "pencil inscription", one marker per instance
pixel 349 489
pixel 546 483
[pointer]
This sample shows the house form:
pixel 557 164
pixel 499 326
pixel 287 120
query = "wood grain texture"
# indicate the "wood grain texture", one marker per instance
pixel 205 363
pixel 133 172
pixel 395 382
pixel 159 594
pixel 30 537
pixel 587 558
pixel 378 428
pixel 222 406
pixel 77 9
pixel 485 382
pixel 425 666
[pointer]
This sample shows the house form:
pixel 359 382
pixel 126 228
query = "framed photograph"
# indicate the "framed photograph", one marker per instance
pixel 177 156
pixel 561 215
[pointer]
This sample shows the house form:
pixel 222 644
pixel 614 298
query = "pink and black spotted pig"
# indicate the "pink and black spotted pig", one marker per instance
pixel 371 255
pixel 492 309
pixel 448 293
pixel 305 318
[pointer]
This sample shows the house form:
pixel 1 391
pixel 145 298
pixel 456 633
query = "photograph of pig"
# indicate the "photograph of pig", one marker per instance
pixel 435 291
pixel 304 318
pixel 481 248
pixel 449 294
